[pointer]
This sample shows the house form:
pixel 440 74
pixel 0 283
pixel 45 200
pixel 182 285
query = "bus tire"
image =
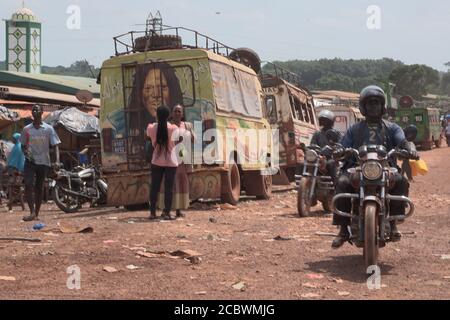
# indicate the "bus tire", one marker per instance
pixel 231 185
pixel 257 184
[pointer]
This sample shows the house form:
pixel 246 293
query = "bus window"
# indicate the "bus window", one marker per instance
pixel 305 112
pixel 296 109
pixel 271 110
pixel 311 114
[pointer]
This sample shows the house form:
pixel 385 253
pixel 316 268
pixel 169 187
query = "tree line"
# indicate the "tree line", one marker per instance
pixel 353 75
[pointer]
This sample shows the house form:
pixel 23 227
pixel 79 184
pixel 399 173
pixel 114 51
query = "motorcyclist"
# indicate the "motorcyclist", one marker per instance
pixel 373 130
pixel 322 139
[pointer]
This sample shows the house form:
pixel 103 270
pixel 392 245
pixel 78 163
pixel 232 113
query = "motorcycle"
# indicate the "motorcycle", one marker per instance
pixel 371 216
pixel 73 189
pixel 314 184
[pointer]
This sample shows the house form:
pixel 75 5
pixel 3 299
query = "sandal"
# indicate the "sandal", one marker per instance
pixel 30 218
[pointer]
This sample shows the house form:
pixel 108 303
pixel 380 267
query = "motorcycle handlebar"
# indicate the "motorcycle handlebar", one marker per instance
pixel 349 152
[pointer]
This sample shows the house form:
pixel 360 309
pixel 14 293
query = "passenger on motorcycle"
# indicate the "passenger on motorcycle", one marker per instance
pixel 374 130
pixel 321 139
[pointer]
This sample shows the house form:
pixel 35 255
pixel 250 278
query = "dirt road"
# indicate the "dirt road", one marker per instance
pixel 237 249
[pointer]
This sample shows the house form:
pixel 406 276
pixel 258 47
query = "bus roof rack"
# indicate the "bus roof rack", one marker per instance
pixel 126 43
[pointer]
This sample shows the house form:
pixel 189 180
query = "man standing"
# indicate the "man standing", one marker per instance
pixel 36 139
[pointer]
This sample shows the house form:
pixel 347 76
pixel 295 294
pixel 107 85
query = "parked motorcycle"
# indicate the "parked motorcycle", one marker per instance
pixel 315 184
pixel 371 216
pixel 72 189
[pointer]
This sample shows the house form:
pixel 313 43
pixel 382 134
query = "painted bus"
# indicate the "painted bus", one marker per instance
pixel 217 93
pixel 289 108
pixel 346 116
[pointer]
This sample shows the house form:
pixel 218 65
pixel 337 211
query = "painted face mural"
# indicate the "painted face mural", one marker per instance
pixel 155 84
pixel 156 91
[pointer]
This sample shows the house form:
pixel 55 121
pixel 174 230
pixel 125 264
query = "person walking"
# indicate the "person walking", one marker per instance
pixel 36 140
pixel 164 161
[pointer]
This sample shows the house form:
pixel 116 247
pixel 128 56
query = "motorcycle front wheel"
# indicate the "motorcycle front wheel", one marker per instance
pixel 67 203
pixel 370 235
pixel 303 200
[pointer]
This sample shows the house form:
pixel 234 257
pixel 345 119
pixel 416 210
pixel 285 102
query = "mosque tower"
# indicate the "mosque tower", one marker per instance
pixel 23 42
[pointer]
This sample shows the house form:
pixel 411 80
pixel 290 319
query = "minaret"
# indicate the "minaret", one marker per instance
pixel 23 42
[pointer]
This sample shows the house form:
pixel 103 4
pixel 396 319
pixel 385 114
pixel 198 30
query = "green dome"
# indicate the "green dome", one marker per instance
pixel 24 14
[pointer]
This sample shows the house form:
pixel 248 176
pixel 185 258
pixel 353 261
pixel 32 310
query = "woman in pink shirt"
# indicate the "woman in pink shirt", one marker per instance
pixel 164 161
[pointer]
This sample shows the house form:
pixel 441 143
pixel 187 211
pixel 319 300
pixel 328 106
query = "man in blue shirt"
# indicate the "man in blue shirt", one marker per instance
pixel 372 131
pixel 36 139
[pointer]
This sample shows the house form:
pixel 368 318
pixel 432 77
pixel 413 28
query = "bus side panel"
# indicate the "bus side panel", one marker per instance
pixel 128 189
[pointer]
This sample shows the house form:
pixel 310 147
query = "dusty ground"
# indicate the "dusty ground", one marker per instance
pixel 237 246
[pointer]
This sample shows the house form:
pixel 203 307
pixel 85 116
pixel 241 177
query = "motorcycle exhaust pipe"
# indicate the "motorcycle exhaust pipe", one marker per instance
pixel 76 194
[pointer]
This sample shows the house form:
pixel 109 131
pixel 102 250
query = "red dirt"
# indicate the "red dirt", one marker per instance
pixel 237 247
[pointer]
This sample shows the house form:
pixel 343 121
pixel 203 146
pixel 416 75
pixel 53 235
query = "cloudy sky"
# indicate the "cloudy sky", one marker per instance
pixel 412 31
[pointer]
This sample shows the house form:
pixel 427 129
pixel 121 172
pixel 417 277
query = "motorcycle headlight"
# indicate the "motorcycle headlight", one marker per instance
pixel 372 170
pixel 311 156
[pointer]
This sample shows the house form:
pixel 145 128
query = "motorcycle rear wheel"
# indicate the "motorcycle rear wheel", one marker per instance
pixel 370 235
pixel 303 201
pixel 67 203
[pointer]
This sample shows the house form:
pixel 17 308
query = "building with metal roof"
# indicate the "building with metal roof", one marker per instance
pixel 52 83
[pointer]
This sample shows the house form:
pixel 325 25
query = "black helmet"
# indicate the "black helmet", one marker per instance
pixel 410 132
pixel 372 92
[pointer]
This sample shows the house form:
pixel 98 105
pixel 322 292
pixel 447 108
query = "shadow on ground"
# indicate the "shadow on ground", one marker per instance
pixel 349 268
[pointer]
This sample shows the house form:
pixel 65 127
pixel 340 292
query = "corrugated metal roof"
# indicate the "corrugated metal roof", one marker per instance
pixel 53 83
pixel 39 96
pixel 13 102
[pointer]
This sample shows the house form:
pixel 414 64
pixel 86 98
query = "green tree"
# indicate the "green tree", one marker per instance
pixel 414 80
pixel 77 69
pixel 347 75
